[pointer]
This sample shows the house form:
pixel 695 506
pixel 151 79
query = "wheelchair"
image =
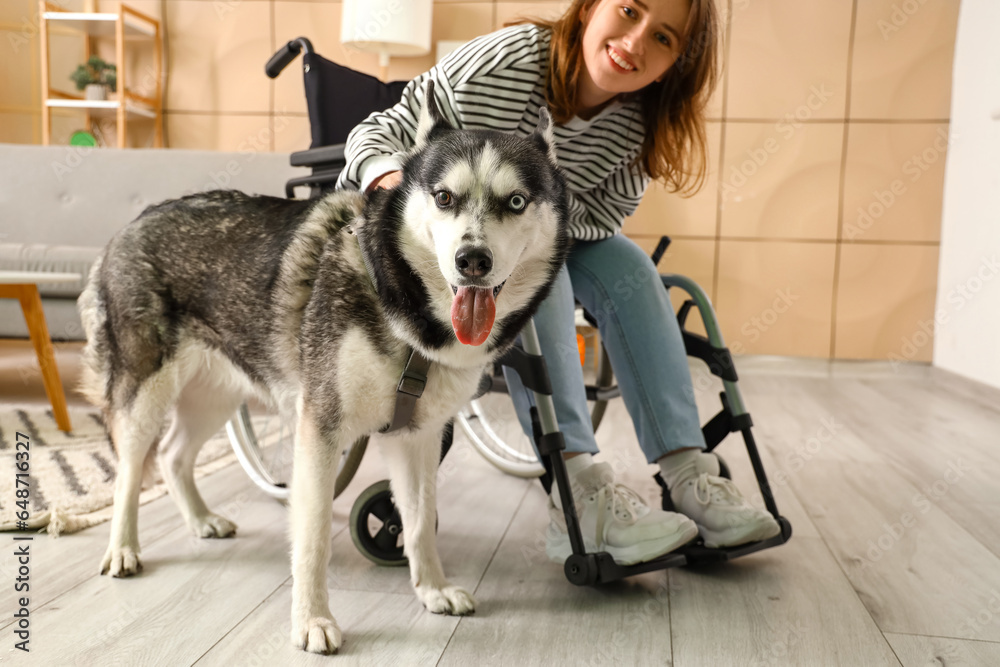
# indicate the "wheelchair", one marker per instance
pixel 263 443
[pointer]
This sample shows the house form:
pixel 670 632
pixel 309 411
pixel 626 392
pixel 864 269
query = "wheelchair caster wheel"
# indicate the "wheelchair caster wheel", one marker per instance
pixel 376 528
pixel 581 570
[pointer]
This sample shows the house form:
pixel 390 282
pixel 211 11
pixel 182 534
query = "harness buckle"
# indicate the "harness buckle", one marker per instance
pixel 412 384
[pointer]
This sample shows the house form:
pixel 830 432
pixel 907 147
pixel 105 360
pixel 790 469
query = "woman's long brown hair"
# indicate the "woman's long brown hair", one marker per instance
pixel 675 147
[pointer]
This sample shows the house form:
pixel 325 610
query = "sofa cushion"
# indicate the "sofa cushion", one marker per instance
pixel 60 205
pixel 76 196
pixel 51 259
pixel 61 318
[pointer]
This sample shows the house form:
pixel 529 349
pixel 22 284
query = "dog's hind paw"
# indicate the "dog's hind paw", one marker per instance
pixel 318 635
pixel 213 525
pixel 121 562
pixel 451 600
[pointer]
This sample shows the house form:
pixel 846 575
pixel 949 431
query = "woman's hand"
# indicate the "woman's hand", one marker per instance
pixel 386 181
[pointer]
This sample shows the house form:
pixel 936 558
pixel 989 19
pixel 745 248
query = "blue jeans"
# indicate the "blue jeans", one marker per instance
pixel 619 285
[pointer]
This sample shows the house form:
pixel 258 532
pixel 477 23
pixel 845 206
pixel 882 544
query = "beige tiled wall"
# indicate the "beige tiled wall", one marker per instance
pixel 820 235
pixel 817 233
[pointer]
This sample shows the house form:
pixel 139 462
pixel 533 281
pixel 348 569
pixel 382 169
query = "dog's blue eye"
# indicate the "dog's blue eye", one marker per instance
pixel 442 199
pixel 517 203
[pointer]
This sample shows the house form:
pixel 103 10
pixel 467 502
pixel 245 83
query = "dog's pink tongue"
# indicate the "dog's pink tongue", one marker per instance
pixel 472 314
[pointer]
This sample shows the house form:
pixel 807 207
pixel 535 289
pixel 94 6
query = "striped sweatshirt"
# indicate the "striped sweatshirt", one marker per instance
pixel 497 82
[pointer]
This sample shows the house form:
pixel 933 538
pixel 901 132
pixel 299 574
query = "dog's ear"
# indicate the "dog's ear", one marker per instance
pixel 544 135
pixel 430 117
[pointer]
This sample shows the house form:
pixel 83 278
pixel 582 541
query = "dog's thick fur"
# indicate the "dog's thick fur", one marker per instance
pixel 204 301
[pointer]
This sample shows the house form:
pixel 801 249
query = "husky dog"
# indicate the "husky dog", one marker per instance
pixel 314 307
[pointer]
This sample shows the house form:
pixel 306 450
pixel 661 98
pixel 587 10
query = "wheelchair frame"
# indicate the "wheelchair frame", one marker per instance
pixel 584 568
pixel 581 567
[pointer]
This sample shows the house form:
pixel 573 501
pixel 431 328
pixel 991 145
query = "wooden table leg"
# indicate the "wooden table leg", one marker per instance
pixel 31 306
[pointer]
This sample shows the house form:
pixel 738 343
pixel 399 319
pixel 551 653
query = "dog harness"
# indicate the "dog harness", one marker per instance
pixel 411 386
pixel 414 378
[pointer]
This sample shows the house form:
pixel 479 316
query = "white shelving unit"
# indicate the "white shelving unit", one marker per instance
pixel 100 24
pixel 126 26
pixel 103 109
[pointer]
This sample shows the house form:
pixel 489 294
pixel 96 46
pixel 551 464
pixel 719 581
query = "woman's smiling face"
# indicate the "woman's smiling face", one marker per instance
pixel 628 44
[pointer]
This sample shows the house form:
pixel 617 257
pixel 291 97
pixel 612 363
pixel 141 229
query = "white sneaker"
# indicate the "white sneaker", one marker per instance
pixel 724 517
pixel 613 518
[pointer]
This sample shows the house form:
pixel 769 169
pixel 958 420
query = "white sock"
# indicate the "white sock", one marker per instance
pixel 579 463
pixel 676 468
pixel 574 466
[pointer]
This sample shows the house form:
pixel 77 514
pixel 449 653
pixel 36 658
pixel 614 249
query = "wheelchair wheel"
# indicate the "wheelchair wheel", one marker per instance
pixel 263 444
pixel 490 423
pixel 376 528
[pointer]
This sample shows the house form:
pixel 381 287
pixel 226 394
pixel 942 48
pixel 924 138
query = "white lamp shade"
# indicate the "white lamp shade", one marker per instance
pixel 387 27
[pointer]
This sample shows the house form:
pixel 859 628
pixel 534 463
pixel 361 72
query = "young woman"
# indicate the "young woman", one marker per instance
pixel 626 82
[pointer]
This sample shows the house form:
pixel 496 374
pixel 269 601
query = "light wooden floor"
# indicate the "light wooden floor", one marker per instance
pixel 890 477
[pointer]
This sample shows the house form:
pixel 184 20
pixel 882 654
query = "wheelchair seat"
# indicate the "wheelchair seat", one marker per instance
pixel 337 98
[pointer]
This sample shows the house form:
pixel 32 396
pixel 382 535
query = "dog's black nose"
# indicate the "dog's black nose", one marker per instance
pixel 473 262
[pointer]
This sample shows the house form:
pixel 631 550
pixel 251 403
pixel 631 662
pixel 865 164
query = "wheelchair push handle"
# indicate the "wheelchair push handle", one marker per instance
pixel 285 55
pixel 661 248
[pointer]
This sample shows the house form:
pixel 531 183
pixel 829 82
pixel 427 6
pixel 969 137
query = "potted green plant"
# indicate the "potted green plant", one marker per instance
pixel 95 77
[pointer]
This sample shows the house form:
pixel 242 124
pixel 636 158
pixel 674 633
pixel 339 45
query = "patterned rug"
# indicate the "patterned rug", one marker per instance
pixel 72 475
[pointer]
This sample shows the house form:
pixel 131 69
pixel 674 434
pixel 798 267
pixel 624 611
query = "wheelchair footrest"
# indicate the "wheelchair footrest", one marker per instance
pixel 601 568
pixel 699 554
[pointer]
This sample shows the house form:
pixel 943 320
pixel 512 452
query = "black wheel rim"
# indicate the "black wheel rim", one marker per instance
pixel 384 542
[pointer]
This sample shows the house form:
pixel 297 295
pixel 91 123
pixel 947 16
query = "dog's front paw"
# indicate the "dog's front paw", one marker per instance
pixel 121 562
pixel 451 600
pixel 213 525
pixel 319 634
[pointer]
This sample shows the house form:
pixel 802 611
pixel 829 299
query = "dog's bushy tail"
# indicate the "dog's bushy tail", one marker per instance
pixel 96 371
pixel 95 380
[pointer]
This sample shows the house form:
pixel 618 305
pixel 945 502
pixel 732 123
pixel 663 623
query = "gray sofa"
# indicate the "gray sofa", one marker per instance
pixel 59 205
